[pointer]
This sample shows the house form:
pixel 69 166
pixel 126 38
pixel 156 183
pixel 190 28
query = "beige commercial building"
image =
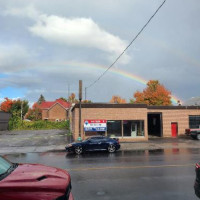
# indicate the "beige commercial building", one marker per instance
pixel 134 122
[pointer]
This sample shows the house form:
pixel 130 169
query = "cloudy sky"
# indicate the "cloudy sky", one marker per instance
pixel 47 46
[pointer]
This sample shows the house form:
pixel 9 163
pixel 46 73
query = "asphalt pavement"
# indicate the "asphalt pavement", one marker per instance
pixel 166 174
pixel 56 140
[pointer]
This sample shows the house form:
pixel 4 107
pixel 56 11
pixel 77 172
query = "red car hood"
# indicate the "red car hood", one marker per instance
pixel 40 180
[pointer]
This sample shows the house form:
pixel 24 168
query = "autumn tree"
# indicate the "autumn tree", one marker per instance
pixel 72 99
pixel 63 98
pixel 41 99
pixel 117 99
pixel 34 113
pixel 6 105
pixel 15 106
pixel 20 107
pixel 153 94
pixel 86 101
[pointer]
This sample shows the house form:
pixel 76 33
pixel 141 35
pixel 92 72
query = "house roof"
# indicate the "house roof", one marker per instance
pixel 49 104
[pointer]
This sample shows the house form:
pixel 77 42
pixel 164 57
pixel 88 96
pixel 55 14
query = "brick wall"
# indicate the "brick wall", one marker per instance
pixel 57 112
pixel 181 116
pixel 110 114
pixel 45 114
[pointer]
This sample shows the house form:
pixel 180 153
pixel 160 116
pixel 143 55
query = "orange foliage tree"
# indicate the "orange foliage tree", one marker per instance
pixel 7 105
pixel 117 99
pixel 72 99
pixel 35 113
pixel 153 94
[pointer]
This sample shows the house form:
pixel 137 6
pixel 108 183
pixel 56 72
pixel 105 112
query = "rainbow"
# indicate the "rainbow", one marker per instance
pixel 117 72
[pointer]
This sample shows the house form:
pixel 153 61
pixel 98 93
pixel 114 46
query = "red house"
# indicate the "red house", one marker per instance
pixel 55 110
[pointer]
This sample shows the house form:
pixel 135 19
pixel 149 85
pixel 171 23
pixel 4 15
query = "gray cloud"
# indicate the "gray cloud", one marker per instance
pixel 13 58
pixel 37 55
pixel 81 32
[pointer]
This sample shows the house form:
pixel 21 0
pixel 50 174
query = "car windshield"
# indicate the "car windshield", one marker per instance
pixel 86 139
pixel 4 165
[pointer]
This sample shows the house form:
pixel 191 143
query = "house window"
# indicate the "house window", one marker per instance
pixel 194 121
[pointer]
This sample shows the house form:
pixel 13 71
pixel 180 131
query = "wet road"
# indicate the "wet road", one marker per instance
pixel 141 175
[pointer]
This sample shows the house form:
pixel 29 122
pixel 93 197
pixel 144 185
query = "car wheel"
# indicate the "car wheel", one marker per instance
pixel 78 150
pixel 193 137
pixel 198 136
pixel 111 148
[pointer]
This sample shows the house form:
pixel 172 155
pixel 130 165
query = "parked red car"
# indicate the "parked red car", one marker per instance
pixel 33 182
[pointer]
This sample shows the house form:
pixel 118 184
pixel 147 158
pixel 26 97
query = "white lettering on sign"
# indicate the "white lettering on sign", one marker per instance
pixel 95 125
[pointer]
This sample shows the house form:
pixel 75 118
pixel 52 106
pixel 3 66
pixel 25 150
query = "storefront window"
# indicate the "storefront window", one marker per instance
pixel 194 121
pixel 114 128
pixel 133 128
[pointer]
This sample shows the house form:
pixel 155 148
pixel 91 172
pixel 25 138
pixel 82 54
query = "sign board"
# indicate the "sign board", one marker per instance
pixel 95 125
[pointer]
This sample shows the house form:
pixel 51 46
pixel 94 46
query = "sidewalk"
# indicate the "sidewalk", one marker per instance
pixel 162 143
pixel 56 140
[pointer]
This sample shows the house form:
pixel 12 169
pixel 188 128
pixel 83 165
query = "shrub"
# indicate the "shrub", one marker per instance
pixel 15 121
pixel 38 125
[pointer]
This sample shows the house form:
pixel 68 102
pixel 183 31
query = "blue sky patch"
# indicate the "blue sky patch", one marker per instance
pixel 11 92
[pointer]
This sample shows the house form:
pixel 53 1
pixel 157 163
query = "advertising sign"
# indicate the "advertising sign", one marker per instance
pixel 95 125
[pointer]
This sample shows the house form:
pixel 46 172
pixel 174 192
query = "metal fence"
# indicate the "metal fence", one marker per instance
pixel 4 119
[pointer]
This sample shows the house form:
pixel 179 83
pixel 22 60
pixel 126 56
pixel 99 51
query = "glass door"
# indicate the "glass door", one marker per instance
pixel 133 129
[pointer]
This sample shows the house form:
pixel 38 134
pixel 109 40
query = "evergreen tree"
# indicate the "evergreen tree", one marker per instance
pixel 41 99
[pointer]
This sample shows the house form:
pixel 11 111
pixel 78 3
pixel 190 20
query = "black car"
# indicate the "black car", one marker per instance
pixel 197 180
pixel 95 143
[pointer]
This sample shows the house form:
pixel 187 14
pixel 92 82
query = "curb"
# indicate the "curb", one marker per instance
pixel 124 147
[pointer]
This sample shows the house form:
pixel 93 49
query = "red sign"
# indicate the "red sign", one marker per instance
pixel 96 121
pixel 95 125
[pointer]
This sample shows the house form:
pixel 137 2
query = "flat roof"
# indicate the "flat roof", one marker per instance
pixel 130 105
pixel 173 107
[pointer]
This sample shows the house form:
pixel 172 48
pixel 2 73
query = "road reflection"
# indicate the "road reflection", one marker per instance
pixel 162 172
pixel 68 160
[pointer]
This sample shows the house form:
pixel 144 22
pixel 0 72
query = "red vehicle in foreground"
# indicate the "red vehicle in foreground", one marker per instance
pixel 33 182
pixel 197 180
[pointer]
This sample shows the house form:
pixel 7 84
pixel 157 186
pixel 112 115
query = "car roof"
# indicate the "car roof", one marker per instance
pixel 97 136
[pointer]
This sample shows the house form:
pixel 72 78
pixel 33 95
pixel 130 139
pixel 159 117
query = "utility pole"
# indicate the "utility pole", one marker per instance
pixel 85 93
pixel 80 98
pixel 21 110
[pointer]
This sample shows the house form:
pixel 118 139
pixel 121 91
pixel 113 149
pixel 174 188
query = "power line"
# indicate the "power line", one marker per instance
pixel 127 46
